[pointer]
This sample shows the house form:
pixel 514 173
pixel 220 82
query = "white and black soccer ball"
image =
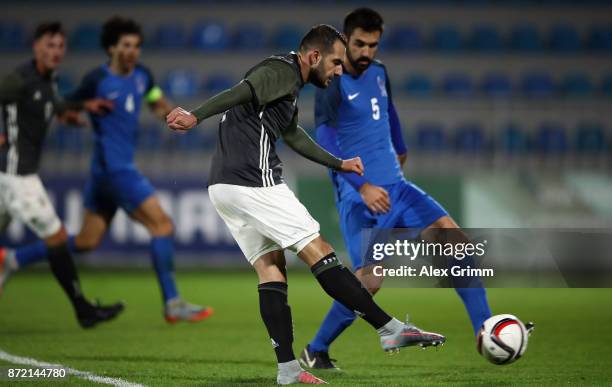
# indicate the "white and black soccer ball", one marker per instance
pixel 502 339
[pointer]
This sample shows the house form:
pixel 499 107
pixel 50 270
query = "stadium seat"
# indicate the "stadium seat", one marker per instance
pixel 12 36
pixel 447 38
pixel 249 37
pixel 65 84
pixel 181 84
pixel 457 85
pixel 496 85
pixel 216 83
pixel 538 85
pixel 513 141
pixel 486 37
pixel 419 86
pixel 591 139
pixel 525 37
pixel 406 38
pixel 606 85
pixel 430 137
pixel 577 85
pixel 170 36
pixel 600 38
pixel 564 38
pixel 470 139
pixel 286 38
pixel 551 139
pixel 210 36
pixel 86 37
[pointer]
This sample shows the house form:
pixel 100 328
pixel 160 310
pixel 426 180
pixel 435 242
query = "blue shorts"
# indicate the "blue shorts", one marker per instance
pixel 107 191
pixel 411 208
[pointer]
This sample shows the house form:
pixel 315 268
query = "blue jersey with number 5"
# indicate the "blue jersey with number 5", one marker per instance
pixel 357 106
pixel 116 132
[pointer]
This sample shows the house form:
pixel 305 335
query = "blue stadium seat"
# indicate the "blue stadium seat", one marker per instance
pixel 470 139
pixel 458 85
pixel 600 38
pixel 181 84
pixel 565 38
pixel 525 37
pixel 606 85
pixel 551 139
pixel 12 36
pixel 447 38
pixel 249 37
pixel 86 37
pixel 216 83
pixel 210 36
pixel 486 37
pixel 170 36
pixel 430 137
pixel 538 85
pixel 286 38
pixel 419 86
pixel 496 85
pixel 406 38
pixel 513 140
pixel 65 84
pixel 591 139
pixel 577 85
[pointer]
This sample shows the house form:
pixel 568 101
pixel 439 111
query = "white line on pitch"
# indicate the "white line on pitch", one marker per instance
pixel 80 374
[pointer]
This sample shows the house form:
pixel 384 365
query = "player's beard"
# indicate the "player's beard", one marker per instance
pixel 317 77
pixel 360 67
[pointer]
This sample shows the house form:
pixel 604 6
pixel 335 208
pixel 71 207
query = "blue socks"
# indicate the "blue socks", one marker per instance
pixel 162 255
pixel 32 253
pixel 337 320
pixel 475 301
pixel 473 295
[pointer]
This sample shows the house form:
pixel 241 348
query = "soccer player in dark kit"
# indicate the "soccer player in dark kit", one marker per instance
pixel 30 100
pixel 264 216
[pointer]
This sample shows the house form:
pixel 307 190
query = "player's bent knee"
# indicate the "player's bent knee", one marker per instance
pixel 162 227
pixel 86 244
pixel 58 238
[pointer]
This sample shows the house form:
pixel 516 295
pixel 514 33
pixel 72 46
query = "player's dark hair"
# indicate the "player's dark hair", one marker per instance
pixel 53 27
pixel 323 37
pixel 115 28
pixel 365 18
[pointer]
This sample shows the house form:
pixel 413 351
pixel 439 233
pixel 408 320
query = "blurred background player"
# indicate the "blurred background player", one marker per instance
pixel 30 100
pixel 355 116
pixel 264 216
pixel 114 181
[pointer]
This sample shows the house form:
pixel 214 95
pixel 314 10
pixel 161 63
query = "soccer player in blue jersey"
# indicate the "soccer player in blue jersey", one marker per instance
pixel 114 181
pixel 355 116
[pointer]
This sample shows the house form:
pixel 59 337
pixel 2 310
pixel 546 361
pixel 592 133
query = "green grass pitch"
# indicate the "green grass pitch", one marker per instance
pixel 572 344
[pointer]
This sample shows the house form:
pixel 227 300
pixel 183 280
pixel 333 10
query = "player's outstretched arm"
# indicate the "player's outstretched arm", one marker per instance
pixel 181 119
pixel 303 144
pixel 161 107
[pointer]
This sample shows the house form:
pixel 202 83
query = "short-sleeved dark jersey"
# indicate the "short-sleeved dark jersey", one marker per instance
pixel 245 153
pixel 29 101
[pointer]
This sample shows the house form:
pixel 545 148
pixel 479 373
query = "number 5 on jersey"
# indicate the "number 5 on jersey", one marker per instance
pixel 375 109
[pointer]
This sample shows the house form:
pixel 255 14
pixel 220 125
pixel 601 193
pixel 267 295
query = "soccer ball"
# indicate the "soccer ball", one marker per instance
pixel 502 339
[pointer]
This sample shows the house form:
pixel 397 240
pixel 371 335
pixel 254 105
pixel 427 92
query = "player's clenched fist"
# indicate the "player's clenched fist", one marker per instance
pixel 180 119
pixel 352 165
